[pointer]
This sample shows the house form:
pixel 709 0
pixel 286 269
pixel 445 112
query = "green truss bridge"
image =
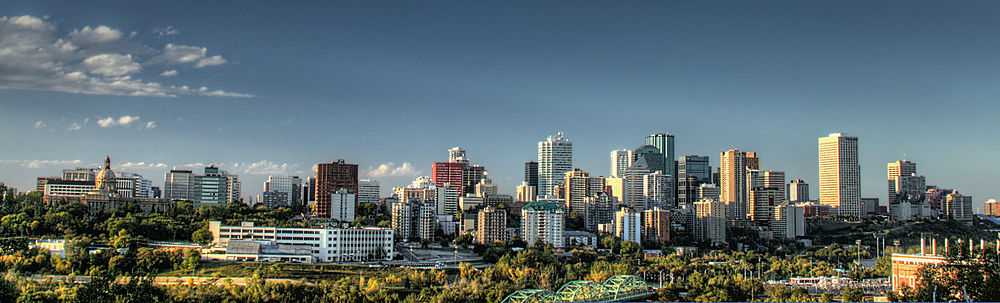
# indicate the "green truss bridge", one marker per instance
pixel 617 288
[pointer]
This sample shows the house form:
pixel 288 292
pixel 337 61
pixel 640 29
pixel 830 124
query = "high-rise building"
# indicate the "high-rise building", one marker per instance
pixel 309 190
pixel 542 222
pixel 234 189
pixel 448 199
pixel 840 174
pixel 958 207
pixel 130 185
pixel 342 205
pixel 449 172
pixel 79 174
pixel 331 177
pixel 665 144
pixel 733 191
pixel 708 191
pixel 525 192
pixel 577 186
pixel 991 208
pixel 634 187
pixel 620 160
pixel 471 175
pixel 656 225
pixel 710 221
pixel 457 154
pixel 491 225
pixel 692 171
pixel 210 188
pixel 655 160
pixel 369 191
pixel 904 183
pixel 659 190
pixel 615 187
pixel 762 202
pixel 414 220
pixel 531 173
pixel 555 158
pixel 798 191
pixel 273 199
pixel 290 185
pixel 788 221
pixel 485 187
pixel 178 185
pixel 776 180
pixel 628 225
pixel 598 209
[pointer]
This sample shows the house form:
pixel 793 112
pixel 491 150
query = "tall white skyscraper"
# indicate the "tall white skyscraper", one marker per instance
pixel 342 205
pixel 628 225
pixel 659 190
pixel 621 159
pixel 840 174
pixel 555 158
pixel 368 191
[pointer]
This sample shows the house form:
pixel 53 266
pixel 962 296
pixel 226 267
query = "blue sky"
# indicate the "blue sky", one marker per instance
pixel 378 83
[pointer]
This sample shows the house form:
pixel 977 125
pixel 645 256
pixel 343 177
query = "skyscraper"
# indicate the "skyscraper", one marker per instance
pixel 525 192
pixel 733 166
pixel 178 185
pixel 762 202
pixel 210 188
pixel 449 172
pixel 840 174
pixel 342 205
pixel 578 185
pixel 655 160
pixel 776 180
pixel 491 225
pixel 284 184
pixel 331 177
pixel 903 182
pixel 555 158
pixel 531 173
pixel 958 207
pixel 542 222
pixel 620 160
pixel 369 191
pixel 457 154
pixel 634 187
pixel 710 221
pixel 692 171
pixel 471 175
pixel 656 225
pixel 665 143
pixel 658 189
pixel 798 191
pixel 628 225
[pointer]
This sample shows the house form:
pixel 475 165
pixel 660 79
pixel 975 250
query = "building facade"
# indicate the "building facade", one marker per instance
pixel 555 158
pixel 542 222
pixel 331 177
pixel 840 174
pixel 491 226
pixel 327 244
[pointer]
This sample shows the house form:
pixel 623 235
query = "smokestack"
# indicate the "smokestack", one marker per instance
pixel 922 243
pixel 934 246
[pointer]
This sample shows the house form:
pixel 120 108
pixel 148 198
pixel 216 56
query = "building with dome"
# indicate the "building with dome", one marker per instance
pixel 106 196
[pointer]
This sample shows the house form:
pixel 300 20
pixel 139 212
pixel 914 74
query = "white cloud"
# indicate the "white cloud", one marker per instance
pixel 33 56
pixel 123 121
pixel 186 54
pixel 96 35
pixel 143 165
pixel 41 163
pixel 391 170
pixel 74 127
pixel 264 167
pixel 166 31
pixel 169 73
pixel 40 124
pixel 151 124
pixel 111 65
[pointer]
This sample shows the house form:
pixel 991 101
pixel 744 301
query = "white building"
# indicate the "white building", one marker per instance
pixel 542 222
pixel 290 185
pixel 840 174
pixel 555 158
pixel 789 222
pixel 634 187
pixel 798 191
pixel 628 225
pixel 342 205
pixel 328 244
pixel 620 160
pixel 710 221
pixel 368 191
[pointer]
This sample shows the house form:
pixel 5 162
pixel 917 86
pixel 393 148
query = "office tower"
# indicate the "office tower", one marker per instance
pixel 290 185
pixel 659 190
pixel 420 190
pixel 491 225
pixel 525 192
pixel 840 174
pixel 273 199
pixel 654 159
pixel 598 209
pixel 710 221
pixel 776 180
pixel 733 167
pixel 762 202
pixel 470 202
pixel 234 189
pixel 449 172
pixel 155 192
pixel 331 177
pixel 894 171
pixel 471 175
pixel 542 222
pixel 414 220
pixel 708 191
pixel 309 190
pixel 692 171
pixel 497 200
pixel 628 225
pixel 665 144
pixel 869 207
pixel 531 173
pixel 485 187
pixel 620 160
pixel 457 154
pixel 369 191
pixel 958 207
pixel 577 186
pixel 788 222
pixel 555 158
pixel 448 199
pixel 130 185
pixel 991 208
pixel 798 191
pixel 656 225
pixel 342 204
pixel 79 174
pixel 615 187
pixel 210 188
pixel 635 195
pixel 178 185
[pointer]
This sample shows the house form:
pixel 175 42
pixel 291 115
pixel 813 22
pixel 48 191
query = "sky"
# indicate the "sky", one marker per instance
pixel 263 89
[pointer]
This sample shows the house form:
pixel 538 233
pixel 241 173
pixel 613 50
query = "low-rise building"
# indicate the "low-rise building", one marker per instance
pixel 327 244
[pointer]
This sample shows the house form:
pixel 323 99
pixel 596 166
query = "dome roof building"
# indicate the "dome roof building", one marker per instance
pixel 104 182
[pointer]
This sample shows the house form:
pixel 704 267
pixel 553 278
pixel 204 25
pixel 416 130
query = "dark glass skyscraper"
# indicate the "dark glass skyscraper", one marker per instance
pixel 531 173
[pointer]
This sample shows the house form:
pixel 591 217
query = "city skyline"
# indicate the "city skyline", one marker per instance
pixel 692 70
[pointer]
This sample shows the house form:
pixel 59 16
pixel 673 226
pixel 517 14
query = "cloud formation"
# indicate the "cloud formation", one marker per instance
pixel 90 60
pixel 169 73
pixel 41 163
pixel 391 170
pixel 186 54
pixel 142 165
pixel 40 124
pixel 123 121
pixel 151 124
pixel 74 127
pixel 166 31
